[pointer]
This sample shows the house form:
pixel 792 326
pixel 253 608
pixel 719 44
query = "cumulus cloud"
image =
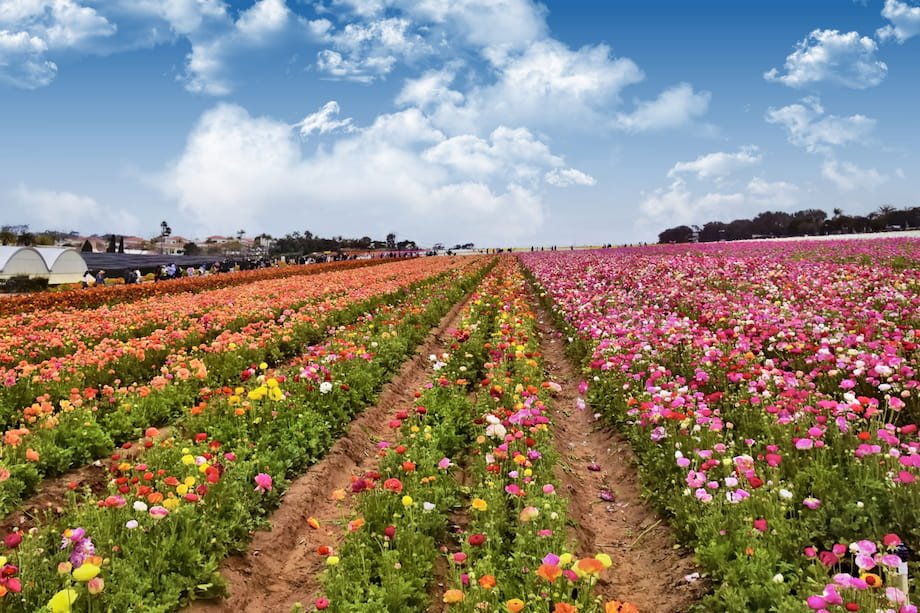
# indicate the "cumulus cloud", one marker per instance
pixel 904 18
pixel 363 52
pixel 543 85
pixel 672 108
pixel 324 121
pixel 400 171
pixel 772 194
pixel 678 204
pixel 808 126
pixel 45 208
pixel 849 177
pixel 846 59
pixel 564 177
pixel 718 164
pixel 32 32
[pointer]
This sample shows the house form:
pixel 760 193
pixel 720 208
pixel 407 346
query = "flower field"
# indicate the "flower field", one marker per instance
pixel 167 518
pixel 771 393
pixel 768 391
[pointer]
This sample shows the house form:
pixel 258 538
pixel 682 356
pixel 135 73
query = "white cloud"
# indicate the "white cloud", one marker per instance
pixel 400 172
pixel 672 108
pixel 543 85
pixel 261 25
pixel 323 121
pixel 564 177
pixel 849 177
pixel 677 204
pixel 772 194
pixel 829 55
pixel 808 126
pixel 904 18
pixel 718 164
pixel 432 88
pixel 31 30
pixel 364 52
pixel 45 209
pixel 479 23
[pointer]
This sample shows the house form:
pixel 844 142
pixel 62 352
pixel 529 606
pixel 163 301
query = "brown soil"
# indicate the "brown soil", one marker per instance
pixel 281 566
pixel 648 566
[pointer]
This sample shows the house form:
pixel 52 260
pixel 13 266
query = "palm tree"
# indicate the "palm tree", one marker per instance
pixel 838 212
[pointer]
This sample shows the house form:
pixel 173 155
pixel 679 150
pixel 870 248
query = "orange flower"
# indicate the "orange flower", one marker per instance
pixel 32 455
pixel 355 524
pixel 515 605
pixel 562 607
pixel 487 582
pixel 589 566
pixel 453 596
pixel 550 572
pixel 313 522
pixel 615 606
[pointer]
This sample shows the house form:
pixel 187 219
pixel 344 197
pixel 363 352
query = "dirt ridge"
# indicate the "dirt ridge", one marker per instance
pixel 649 568
pixel 281 566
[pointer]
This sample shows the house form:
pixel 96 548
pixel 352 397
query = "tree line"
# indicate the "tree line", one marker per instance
pixel 808 222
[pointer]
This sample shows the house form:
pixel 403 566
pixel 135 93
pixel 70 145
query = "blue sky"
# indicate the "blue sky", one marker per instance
pixel 494 121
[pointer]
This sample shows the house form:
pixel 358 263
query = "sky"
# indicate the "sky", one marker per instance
pixel 498 122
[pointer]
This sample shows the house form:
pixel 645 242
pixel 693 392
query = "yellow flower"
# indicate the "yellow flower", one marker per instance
pixel 188 459
pixel 272 382
pixel 189 481
pixel 453 596
pixel 479 504
pixel 263 366
pixel 565 559
pixel 182 489
pixel 85 572
pixel 60 602
pixel 276 394
pixel 171 504
pixel 604 559
pixel 407 501
pixel 332 560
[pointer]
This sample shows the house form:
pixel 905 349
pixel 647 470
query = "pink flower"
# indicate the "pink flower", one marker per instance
pixel 812 503
pixel 263 483
pixel 760 525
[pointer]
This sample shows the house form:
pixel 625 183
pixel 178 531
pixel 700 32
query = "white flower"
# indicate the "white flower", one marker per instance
pixel 784 493
pixel 140 506
pixel 428 506
pixel 778 578
pixel 325 387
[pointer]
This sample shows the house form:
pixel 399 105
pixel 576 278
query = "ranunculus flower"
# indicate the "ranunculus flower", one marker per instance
pixel 476 540
pixel 263 483
pixel 453 596
pixel 60 602
pixel 321 603
pixel 12 540
pixel 85 572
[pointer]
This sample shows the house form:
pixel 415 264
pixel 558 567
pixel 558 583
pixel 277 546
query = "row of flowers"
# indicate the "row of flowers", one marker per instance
pixel 186 322
pixel 81 299
pixel 508 550
pixel 169 517
pixel 82 427
pixel 772 399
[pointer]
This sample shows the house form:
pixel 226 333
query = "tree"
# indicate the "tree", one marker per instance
pixel 191 248
pixel 111 247
pixel 239 234
pixel 165 231
pixel 391 240
pixel 679 234
pixel 87 247
pixel 7 236
pixel 121 244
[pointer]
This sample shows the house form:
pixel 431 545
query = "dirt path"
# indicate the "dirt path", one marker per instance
pixel 281 566
pixel 647 569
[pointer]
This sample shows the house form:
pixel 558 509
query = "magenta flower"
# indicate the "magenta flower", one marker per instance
pixel 263 483
pixel 812 503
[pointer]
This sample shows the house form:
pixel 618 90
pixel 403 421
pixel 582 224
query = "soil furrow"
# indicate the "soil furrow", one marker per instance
pixel 281 566
pixel 649 569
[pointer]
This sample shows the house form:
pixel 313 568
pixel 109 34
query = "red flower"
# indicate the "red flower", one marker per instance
pixel 476 539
